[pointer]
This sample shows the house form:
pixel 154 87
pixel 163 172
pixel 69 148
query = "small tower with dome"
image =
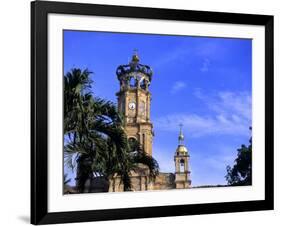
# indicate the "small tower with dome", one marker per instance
pixel 181 158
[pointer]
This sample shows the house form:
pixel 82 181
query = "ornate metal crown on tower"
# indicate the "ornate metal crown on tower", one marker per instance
pixel 134 74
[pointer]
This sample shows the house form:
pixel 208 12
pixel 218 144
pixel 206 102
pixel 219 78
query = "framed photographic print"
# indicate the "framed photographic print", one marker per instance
pixel 145 112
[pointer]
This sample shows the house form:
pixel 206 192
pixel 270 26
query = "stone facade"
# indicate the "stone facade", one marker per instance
pixel 141 182
pixel 134 102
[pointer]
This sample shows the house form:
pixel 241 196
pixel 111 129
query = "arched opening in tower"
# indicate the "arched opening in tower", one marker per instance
pixel 133 82
pixel 182 165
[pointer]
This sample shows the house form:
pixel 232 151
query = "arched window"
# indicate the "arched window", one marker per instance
pixel 182 165
pixel 133 143
pixel 132 82
pixel 132 140
pixel 143 84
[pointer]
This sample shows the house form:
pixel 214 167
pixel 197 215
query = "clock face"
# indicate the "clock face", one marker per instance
pixel 132 106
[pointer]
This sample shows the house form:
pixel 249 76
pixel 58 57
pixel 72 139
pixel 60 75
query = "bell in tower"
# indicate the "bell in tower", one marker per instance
pixel 134 100
pixel 181 158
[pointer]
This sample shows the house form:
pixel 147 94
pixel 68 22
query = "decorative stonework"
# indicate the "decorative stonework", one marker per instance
pixel 134 100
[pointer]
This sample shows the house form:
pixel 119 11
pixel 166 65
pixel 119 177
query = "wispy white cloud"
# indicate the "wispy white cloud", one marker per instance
pixel 220 160
pixel 235 105
pixel 213 165
pixel 201 163
pixel 165 161
pixel 228 113
pixel 177 86
pixel 210 49
pixel 178 54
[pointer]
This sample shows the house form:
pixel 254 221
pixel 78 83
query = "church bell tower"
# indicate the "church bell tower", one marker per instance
pixel 181 158
pixel 134 100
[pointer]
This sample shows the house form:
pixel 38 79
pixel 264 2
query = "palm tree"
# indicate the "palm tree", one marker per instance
pixel 94 135
pixel 122 163
pixel 76 99
pixel 65 180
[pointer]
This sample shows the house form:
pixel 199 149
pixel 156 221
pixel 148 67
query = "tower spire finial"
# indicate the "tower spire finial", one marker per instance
pixel 181 136
pixel 135 57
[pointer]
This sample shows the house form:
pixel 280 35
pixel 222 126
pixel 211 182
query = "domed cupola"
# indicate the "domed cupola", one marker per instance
pixel 181 147
pixel 134 74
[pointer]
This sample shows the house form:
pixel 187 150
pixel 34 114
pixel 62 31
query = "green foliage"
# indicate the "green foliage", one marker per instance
pixel 95 142
pixel 241 172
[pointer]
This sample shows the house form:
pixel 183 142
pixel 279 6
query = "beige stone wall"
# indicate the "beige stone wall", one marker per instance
pixel 141 182
pixel 182 179
pixel 137 121
pixel 164 181
pixel 138 125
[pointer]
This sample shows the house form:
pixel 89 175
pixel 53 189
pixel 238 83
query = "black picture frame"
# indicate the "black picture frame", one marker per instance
pixel 39 112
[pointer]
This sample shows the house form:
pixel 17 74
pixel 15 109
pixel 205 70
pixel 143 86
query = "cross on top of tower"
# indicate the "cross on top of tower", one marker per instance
pixel 180 125
pixel 135 51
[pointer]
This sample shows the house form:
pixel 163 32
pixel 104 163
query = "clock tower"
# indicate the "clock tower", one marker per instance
pixel 134 101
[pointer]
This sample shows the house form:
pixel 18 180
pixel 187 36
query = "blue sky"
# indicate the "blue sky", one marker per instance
pixel 204 83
